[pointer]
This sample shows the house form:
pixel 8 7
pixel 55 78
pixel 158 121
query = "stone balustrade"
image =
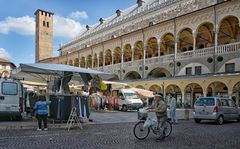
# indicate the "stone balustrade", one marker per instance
pixel 198 53
pixel 228 48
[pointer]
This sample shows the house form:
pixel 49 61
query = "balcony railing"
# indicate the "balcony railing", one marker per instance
pixel 127 64
pixel 204 52
pixel 229 48
pixel 152 60
pixel 198 53
pixel 112 68
pixel 137 62
pixel 166 58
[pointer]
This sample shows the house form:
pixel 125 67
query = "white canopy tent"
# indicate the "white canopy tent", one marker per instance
pixel 40 72
pixel 44 73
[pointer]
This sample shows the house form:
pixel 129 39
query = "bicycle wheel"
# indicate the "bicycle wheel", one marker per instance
pixel 168 128
pixel 139 131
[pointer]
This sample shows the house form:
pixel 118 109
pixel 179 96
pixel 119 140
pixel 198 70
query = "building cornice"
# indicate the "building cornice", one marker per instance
pixel 166 11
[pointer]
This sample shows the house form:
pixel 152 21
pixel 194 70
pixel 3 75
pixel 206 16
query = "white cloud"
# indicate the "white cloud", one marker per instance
pixel 77 15
pixel 65 27
pixel 23 25
pixel 4 54
pixel 62 27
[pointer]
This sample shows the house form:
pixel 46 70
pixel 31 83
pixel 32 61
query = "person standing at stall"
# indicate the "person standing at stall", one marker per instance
pixel 41 109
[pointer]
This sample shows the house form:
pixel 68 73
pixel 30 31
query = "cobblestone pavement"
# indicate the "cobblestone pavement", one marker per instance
pixel 186 135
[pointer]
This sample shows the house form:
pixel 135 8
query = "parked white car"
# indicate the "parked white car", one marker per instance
pixel 218 109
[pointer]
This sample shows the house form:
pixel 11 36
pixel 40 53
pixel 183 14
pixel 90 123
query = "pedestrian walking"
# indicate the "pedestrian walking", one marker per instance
pixel 41 109
pixel 173 105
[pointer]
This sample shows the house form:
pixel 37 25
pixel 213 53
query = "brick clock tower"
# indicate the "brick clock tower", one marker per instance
pixel 43 36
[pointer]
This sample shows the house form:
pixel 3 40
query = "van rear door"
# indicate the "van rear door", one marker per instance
pixel 9 96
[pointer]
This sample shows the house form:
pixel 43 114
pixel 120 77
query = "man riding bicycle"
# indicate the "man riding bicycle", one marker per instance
pixel 160 108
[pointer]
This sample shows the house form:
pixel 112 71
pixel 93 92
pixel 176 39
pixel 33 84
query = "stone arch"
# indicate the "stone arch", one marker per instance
pixel 117 55
pixel 235 61
pixel 83 62
pixel 101 59
pixel 138 50
pixel 127 56
pixel 185 40
pixel 89 61
pixel 152 47
pixel 132 75
pixel 140 86
pixel 229 30
pixel 70 63
pixel 205 35
pixel 236 93
pixel 155 88
pixel 167 44
pixel 108 57
pixel 114 78
pixel 76 62
pixel 5 74
pixel 159 73
pixel 217 88
pixel 95 60
pixel 175 91
pixel 204 69
pixel 192 92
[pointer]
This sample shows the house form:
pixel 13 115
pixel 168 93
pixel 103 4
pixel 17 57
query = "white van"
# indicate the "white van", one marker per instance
pixel 11 98
pixel 128 100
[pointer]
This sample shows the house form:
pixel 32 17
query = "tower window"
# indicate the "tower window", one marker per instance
pixel 43 23
pixel 42 12
pixel 45 14
pixel 47 24
pixel 49 15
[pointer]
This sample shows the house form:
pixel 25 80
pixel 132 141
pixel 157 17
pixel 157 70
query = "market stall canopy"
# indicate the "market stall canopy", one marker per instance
pixel 116 85
pixel 45 73
pixel 42 72
pixel 143 93
pixel 31 83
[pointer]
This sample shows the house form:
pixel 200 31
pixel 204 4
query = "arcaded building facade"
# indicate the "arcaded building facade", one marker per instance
pixel 6 68
pixel 188 48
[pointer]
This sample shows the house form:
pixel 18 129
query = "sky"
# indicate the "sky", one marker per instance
pixel 17 23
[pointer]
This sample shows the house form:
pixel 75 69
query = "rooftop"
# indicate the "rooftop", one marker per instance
pixel 121 15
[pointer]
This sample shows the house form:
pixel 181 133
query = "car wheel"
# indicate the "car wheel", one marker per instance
pixel 220 120
pixel 238 118
pixel 124 108
pixel 197 120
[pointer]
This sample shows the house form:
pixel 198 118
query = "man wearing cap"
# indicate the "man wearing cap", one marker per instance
pixel 160 108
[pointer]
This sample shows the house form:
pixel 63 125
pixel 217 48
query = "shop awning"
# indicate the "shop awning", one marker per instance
pixel 143 93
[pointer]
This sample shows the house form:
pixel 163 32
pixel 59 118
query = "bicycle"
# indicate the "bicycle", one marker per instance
pixel 142 128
